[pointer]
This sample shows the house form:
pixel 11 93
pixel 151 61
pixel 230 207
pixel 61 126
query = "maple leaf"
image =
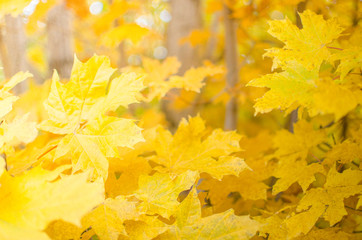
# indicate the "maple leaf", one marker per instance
pixel 293 146
pixel 191 149
pixel 342 99
pixel 68 105
pixel 118 8
pixel 61 230
pixel 326 234
pixel 306 46
pixel 126 172
pixel 273 227
pixel 160 81
pixel 24 196
pixel 345 152
pixel 249 184
pixel 147 227
pixel 6 98
pixel 326 202
pixel 157 73
pixel 77 107
pixel 126 31
pixel 297 171
pixel 298 84
pixel 193 78
pixel 36 94
pixel 293 86
pixel 85 97
pixel 20 130
pixel 350 58
pixel 99 140
pixel 159 192
pixel 107 219
pixel 190 225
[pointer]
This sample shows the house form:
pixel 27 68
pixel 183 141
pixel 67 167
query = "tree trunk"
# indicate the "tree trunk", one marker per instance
pixel 232 77
pixel 13 50
pixel 186 17
pixel 60 45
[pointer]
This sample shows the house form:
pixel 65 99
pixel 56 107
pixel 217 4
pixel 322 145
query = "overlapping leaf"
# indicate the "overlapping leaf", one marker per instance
pixel 26 209
pixel 326 202
pixel 190 225
pixel 307 46
pixel 77 108
pixel 192 148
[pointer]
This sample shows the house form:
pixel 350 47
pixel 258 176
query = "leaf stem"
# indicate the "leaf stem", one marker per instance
pixel 340 49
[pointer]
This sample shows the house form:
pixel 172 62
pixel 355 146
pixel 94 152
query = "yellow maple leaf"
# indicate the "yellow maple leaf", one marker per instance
pixel 85 96
pixel 192 148
pixel 346 152
pixel 105 21
pixel 24 196
pixel 118 34
pixel 21 160
pixel 147 227
pixel 249 184
pixel 6 98
pixel 107 219
pixel 20 130
pixel 326 202
pixel 159 192
pixel 97 141
pixel 156 75
pixel 293 86
pixel 159 79
pixel 61 230
pixel 341 99
pixel 273 227
pixel 327 234
pixel 68 105
pixel 297 171
pixel 77 109
pixel 293 146
pixel 306 46
pixel 190 225
pixel 125 172
pixel 193 78
pixel 296 86
pixel 350 59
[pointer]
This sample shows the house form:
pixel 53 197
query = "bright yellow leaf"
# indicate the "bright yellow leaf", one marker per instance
pixel 68 198
pixel 226 225
pixel 6 98
pixel 159 192
pixel 297 171
pixel 326 202
pixel 308 45
pixel 192 148
pixel 118 34
pixel 107 219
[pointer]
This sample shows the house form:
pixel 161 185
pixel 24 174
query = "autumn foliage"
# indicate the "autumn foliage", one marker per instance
pixel 99 154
